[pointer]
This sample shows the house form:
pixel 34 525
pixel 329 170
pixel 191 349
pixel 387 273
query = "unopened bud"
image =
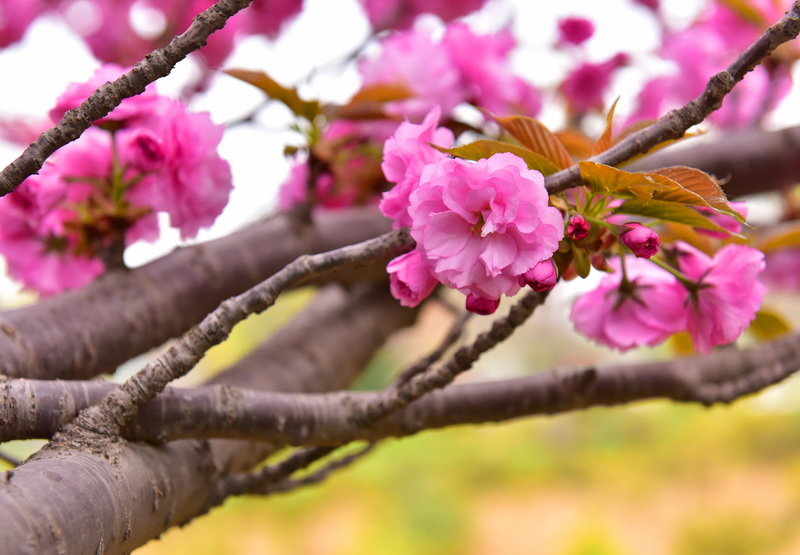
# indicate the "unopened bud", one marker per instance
pixel 482 305
pixel 577 228
pixel 542 277
pixel 642 240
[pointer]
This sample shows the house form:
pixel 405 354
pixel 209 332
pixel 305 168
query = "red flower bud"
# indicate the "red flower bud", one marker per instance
pixel 577 228
pixel 642 240
pixel 542 277
pixel 482 305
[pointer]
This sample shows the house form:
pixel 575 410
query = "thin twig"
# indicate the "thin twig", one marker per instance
pixel 320 475
pixel 155 65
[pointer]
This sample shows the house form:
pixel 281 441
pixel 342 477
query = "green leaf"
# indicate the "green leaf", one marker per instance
pixel 308 109
pixel 607 179
pixel 484 148
pixel 669 211
pixel 581 262
pixel 533 135
pixel 769 325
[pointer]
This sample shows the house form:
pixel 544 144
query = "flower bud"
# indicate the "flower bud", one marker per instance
pixel 577 228
pixel 642 240
pixel 542 277
pixel 482 305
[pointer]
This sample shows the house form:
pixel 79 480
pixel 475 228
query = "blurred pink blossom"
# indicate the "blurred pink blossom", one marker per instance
pixel 645 310
pixel 729 294
pixel 483 61
pixel 400 14
pixel 574 30
pixel 586 86
pixel 411 58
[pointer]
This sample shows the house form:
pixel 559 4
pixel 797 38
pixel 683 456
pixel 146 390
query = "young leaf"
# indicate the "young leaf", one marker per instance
pixel 605 141
pixel 538 138
pixel 303 108
pixel 701 184
pixel 369 102
pixel 577 144
pixel 669 211
pixel 484 148
pixel 607 179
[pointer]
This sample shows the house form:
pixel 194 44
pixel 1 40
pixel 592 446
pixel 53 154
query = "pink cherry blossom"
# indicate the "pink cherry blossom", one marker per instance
pixel 783 269
pixel 15 16
pixel 645 310
pixel 405 155
pixel 574 30
pixel 412 59
pixel 34 253
pixel 642 240
pixel 400 14
pixel 194 182
pixel 729 292
pixel 483 62
pixel 482 225
pixel 586 86
pixel 411 278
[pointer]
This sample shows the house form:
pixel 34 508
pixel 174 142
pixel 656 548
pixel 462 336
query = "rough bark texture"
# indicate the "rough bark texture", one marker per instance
pixel 92 330
pixel 74 502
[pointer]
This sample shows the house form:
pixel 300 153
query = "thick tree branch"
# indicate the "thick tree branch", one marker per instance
pixel 112 502
pixel 674 124
pixel 303 419
pixel 155 65
pixel 105 420
pixel 92 330
pixel 746 161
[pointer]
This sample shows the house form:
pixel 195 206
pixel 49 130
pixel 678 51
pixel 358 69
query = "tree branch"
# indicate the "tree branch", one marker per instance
pixel 116 500
pixel 155 65
pixel 92 330
pixel 326 419
pixel 105 420
pixel 674 124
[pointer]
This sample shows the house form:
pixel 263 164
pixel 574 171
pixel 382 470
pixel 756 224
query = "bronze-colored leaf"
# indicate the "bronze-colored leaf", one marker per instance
pixel 308 109
pixel 533 135
pixel 605 141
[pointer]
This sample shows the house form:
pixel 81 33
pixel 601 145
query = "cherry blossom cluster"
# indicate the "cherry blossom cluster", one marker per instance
pixel 462 66
pixel 484 228
pixel 104 191
pixel 640 303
